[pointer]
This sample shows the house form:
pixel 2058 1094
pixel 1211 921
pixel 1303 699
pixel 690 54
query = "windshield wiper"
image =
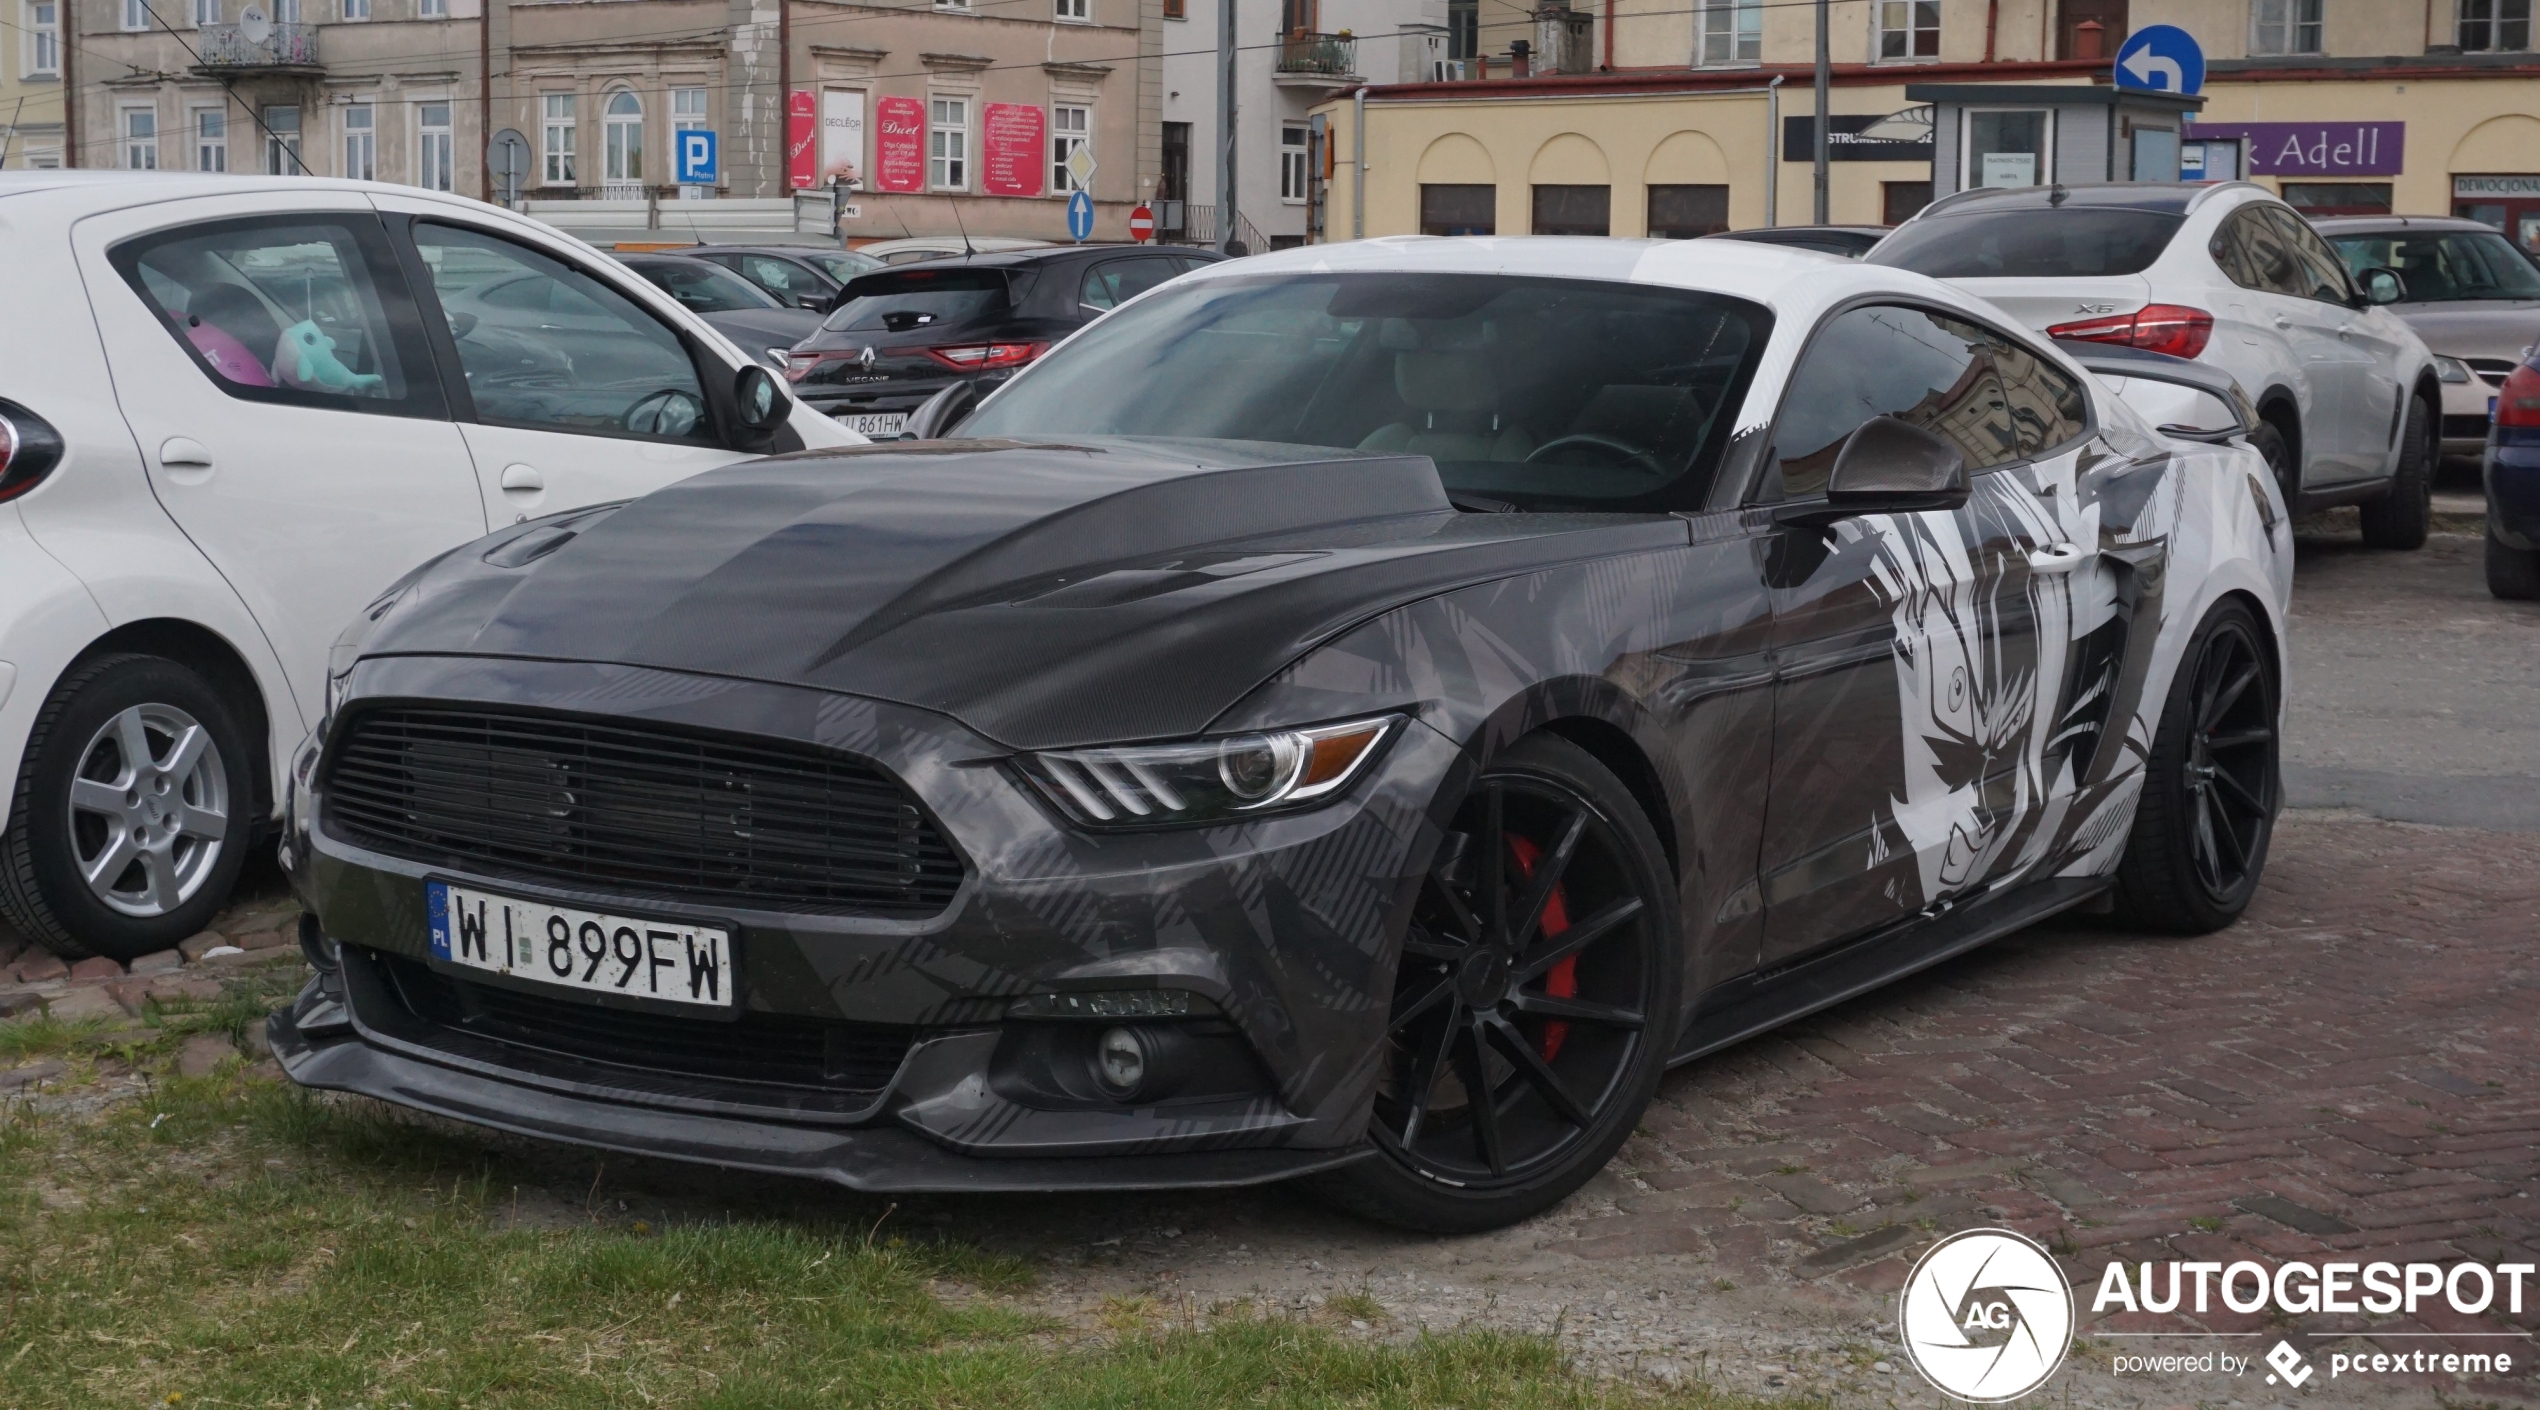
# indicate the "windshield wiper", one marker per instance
pixel 1479 504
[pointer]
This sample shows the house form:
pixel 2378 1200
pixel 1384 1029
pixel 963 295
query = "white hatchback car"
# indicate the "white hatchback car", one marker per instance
pixel 236 409
pixel 2347 395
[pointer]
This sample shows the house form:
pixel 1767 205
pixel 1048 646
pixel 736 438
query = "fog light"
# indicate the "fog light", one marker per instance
pixel 1120 1061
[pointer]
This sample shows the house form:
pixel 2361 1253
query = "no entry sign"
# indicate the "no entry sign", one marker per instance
pixel 1141 225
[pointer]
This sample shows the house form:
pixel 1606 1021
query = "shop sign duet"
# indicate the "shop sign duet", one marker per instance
pixel 2314 148
pixel 899 144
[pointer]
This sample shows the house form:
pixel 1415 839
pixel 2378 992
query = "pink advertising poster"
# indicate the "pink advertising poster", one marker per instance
pixel 1011 143
pixel 899 144
pixel 802 108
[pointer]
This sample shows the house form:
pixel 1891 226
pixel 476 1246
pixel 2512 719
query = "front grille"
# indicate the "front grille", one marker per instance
pixel 843 1058
pixel 2462 428
pixel 638 808
pixel 2491 370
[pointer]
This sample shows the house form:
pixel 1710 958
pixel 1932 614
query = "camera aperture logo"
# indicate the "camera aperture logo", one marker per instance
pixel 1986 1316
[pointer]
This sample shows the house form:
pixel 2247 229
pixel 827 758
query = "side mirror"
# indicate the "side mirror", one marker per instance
pixel 1887 466
pixel 942 412
pixel 817 303
pixel 461 324
pixel 761 400
pixel 2382 286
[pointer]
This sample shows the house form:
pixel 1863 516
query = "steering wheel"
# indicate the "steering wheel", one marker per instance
pixel 1622 452
pixel 668 412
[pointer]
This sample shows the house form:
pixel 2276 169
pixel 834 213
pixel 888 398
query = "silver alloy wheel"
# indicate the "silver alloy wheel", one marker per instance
pixel 149 809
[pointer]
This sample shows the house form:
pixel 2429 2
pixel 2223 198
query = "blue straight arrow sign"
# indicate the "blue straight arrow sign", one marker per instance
pixel 1080 216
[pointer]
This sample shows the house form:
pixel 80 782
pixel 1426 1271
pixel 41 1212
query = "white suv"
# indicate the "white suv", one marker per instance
pixel 2229 275
pixel 236 409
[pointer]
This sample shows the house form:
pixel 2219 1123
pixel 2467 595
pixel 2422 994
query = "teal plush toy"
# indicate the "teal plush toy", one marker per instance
pixel 306 360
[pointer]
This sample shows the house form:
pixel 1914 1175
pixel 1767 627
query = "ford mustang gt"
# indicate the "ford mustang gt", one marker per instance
pixel 1357 714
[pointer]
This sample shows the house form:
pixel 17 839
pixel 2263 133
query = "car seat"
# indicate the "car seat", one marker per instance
pixel 243 317
pixel 1456 398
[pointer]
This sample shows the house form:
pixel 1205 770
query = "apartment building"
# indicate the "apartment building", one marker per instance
pixel 1671 117
pixel 31 86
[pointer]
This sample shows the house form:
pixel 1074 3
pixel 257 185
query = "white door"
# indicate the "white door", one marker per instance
pixel 2367 346
pixel 580 395
pixel 275 373
pixel 2304 303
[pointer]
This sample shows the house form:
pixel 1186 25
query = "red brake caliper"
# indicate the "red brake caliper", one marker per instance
pixel 1562 980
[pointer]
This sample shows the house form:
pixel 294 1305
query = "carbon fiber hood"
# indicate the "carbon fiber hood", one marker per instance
pixel 1042 594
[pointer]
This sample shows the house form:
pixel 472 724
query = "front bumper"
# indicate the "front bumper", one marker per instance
pixel 2465 417
pixel 2511 470
pixel 1286 925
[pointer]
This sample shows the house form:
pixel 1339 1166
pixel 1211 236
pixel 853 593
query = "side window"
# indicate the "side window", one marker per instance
pixel 297 310
pixel 777 277
pixel 2268 263
pixel 2049 410
pixel 1883 360
pixel 2323 275
pixel 547 346
pixel 1115 282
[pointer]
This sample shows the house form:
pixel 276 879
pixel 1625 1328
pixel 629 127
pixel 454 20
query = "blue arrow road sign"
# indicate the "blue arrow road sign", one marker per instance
pixel 1080 216
pixel 695 157
pixel 2161 58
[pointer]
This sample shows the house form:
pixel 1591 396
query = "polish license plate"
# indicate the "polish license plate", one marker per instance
pixel 680 962
pixel 879 425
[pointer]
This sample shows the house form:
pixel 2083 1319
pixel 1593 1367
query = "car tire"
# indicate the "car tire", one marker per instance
pixel 2401 518
pixel 1475 1001
pixel 2513 574
pixel 2211 786
pixel 2268 440
pixel 183 818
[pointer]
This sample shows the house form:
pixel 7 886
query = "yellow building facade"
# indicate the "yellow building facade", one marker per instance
pixel 2340 105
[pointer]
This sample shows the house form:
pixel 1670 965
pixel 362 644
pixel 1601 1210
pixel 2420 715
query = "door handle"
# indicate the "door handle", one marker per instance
pixel 184 453
pixel 522 479
pixel 2061 558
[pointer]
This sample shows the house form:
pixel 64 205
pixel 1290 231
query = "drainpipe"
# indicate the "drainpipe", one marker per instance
pixel 1358 156
pixel 785 101
pixel 1773 151
pixel 485 97
pixel 1992 18
pixel 1609 35
pixel 1825 123
pixel 68 29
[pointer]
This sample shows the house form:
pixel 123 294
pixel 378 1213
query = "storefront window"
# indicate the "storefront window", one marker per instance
pixel 2325 198
pixel 1682 212
pixel 2008 148
pixel 1574 210
pixel 1458 210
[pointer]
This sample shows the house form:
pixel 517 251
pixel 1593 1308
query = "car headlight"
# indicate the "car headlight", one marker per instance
pixel 1206 780
pixel 2452 370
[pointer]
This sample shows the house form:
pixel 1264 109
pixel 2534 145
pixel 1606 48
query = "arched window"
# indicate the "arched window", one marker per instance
pixel 623 172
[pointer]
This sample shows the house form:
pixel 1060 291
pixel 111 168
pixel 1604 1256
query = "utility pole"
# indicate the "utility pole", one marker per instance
pixel 1825 85
pixel 1227 108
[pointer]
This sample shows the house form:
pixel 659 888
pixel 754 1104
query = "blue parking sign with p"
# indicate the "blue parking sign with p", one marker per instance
pixel 695 158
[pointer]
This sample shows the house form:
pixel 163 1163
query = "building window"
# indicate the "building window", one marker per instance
pixel 2327 198
pixel 1729 32
pixel 1070 128
pixel 1459 210
pixel 622 147
pixel 1463 28
pixel 361 142
pixel 687 109
pixel 211 139
pixel 286 11
pixel 136 14
pixel 1682 212
pixel 141 139
pixel 2284 26
pixel 206 12
pixel 1574 210
pixel 43 39
pixel 1292 161
pixel 948 144
pixel 1908 29
pixel 2008 148
pixel 1900 201
pixel 2489 26
pixel 558 139
pixel 962 6
pixel 432 9
pixel 356 9
pixel 1076 11
pixel 1176 10
pixel 432 146
pixel 281 123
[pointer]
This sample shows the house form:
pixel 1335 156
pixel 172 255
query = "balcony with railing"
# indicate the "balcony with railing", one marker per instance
pixel 235 48
pixel 1317 60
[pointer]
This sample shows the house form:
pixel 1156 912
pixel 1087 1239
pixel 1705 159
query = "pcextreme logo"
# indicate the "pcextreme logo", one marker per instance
pixel 1985 1315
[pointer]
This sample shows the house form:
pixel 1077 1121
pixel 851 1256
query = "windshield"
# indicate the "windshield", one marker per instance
pixel 2441 266
pixel 2075 241
pixel 704 288
pixel 905 299
pixel 1546 393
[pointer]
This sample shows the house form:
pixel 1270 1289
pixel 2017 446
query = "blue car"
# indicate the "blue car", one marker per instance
pixel 2513 486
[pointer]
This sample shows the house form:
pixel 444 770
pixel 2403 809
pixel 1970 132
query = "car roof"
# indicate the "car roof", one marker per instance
pixel 2378 224
pixel 1045 254
pixel 2166 197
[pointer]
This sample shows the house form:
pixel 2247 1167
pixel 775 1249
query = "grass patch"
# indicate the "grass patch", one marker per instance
pixel 232 1240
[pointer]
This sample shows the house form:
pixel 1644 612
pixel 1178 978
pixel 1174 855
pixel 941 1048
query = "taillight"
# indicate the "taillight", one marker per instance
pixel 2517 402
pixel 977 357
pixel 29 449
pixel 2162 328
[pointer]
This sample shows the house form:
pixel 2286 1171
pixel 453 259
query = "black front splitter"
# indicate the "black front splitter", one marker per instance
pixel 871 1159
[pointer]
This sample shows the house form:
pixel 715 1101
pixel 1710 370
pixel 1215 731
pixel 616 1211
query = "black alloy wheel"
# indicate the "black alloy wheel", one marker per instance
pixel 2402 518
pixel 2210 790
pixel 1533 1003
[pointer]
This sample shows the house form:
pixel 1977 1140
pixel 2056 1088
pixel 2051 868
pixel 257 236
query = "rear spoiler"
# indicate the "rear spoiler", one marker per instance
pixel 2116 360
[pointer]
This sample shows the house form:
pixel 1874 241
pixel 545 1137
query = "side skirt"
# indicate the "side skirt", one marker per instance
pixel 1757 1003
